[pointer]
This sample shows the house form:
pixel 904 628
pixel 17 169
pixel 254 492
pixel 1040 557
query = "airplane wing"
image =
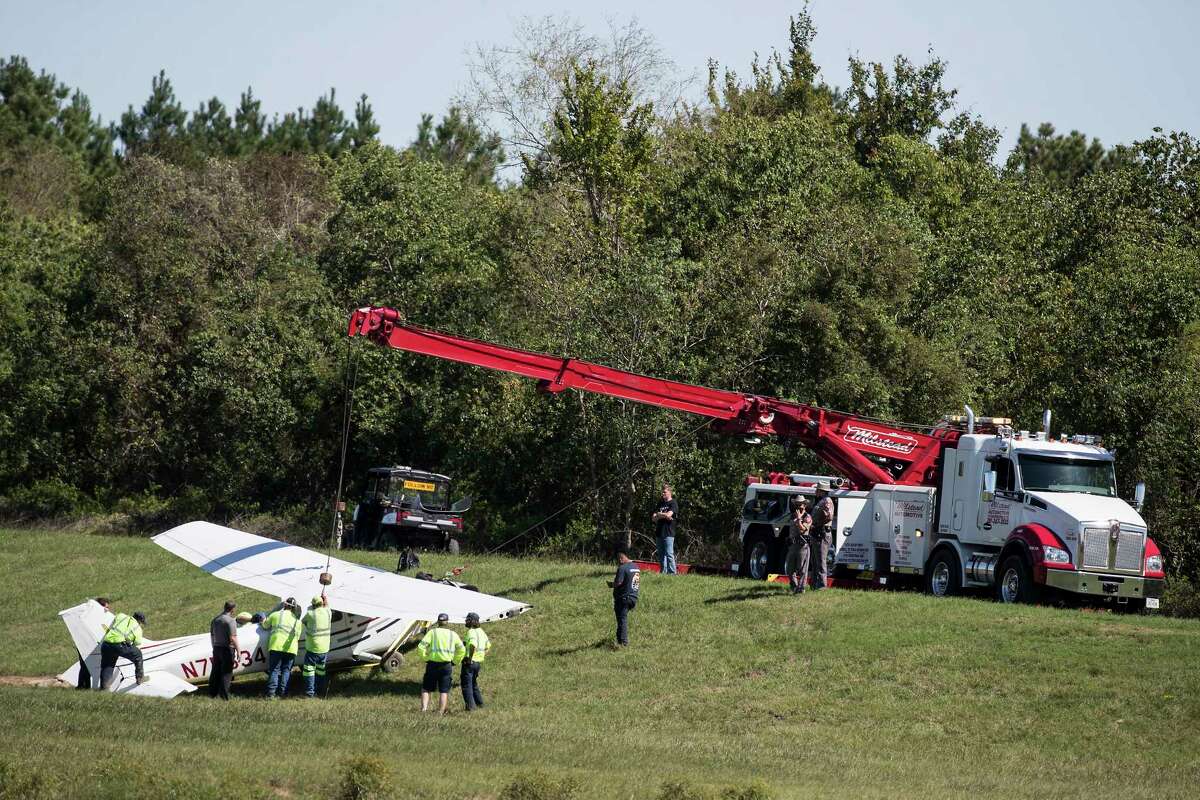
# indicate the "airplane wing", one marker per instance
pixel 285 570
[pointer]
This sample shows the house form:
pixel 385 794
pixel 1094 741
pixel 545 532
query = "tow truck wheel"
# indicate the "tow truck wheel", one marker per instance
pixel 1016 582
pixel 392 663
pixel 942 579
pixel 452 546
pixel 758 557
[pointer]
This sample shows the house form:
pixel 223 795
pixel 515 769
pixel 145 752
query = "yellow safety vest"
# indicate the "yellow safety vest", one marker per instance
pixel 285 631
pixel 124 630
pixel 441 645
pixel 317 623
pixel 476 636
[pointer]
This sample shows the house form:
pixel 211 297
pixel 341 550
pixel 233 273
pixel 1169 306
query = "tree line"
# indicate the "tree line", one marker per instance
pixel 174 287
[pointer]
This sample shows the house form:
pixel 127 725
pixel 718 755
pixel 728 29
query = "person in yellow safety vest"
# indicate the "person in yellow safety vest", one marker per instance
pixel 440 649
pixel 317 623
pixel 122 639
pixel 478 644
pixel 284 625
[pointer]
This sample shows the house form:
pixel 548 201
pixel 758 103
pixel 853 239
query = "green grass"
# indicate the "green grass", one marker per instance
pixel 727 682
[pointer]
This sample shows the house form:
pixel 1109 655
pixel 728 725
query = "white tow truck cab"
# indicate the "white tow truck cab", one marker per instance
pixel 1011 512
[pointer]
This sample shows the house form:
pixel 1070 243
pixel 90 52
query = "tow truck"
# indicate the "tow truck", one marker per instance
pixel 970 502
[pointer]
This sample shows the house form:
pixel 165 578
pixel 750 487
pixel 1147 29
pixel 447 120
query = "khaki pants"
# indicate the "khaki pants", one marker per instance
pixel 796 565
pixel 820 560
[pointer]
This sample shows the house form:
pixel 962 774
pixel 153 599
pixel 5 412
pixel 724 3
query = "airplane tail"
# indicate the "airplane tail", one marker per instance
pixel 85 622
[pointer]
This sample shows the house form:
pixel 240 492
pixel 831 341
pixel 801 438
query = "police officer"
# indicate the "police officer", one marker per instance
pixel 440 649
pixel 625 585
pixel 122 639
pixel 284 625
pixel 477 644
pixel 796 565
pixel 317 623
pixel 822 535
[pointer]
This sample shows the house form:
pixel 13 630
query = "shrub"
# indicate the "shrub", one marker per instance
pixel 753 791
pixel 44 500
pixel 365 778
pixel 681 790
pixel 1181 598
pixel 540 786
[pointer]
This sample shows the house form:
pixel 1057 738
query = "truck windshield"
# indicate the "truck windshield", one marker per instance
pixel 435 495
pixel 1050 474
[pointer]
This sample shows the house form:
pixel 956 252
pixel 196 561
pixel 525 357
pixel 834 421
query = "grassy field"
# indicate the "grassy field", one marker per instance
pixel 727 683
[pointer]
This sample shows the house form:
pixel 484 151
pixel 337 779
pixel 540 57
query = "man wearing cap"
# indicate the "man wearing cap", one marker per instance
pixel 477 644
pixel 821 535
pixel 122 639
pixel 796 564
pixel 625 585
pixel 284 625
pixel 223 632
pixel 440 649
pixel 317 623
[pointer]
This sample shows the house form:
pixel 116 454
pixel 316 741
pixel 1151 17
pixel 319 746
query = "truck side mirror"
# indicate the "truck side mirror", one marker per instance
pixel 989 486
pixel 462 505
pixel 1139 496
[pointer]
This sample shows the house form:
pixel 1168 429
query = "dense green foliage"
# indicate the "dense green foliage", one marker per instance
pixel 172 308
pixel 730 690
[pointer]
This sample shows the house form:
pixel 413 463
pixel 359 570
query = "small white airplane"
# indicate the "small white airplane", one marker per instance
pixel 376 614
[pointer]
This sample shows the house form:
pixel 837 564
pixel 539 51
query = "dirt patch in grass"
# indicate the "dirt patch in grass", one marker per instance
pixel 28 680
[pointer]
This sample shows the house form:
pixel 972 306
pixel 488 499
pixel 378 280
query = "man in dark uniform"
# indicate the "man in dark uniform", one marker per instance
pixel 625 587
pixel 223 632
pixel 664 516
pixel 822 536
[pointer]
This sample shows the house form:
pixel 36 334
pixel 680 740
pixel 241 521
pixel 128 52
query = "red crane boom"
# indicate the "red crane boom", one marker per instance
pixel 865 451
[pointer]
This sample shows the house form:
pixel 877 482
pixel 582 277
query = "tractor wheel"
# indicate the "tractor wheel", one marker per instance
pixel 942 578
pixel 392 663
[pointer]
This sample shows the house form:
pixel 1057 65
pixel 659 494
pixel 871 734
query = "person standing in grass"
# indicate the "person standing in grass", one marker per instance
pixel 477 644
pixel 440 649
pixel 223 632
pixel 317 623
pixel 664 516
pixel 796 565
pixel 821 535
pixel 284 625
pixel 625 587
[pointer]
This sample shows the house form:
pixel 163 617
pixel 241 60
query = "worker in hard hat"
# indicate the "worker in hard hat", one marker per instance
pixel 440 649
pixel 317 623
pixel 122 639
pixel 477 644
pixel 284 625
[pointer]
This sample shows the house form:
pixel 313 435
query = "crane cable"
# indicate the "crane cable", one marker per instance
pixel 347 411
